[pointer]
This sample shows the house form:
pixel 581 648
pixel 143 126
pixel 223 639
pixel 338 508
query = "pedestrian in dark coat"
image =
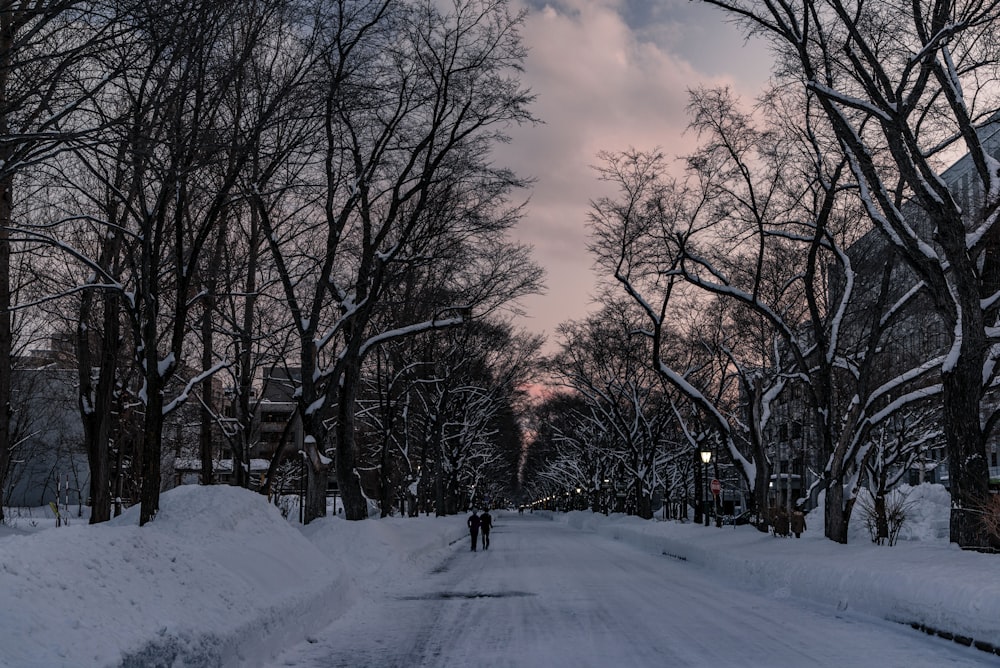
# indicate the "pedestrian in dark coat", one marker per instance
pixel 473 524
pixel 485 524
pixel 798 523
pixel 779 520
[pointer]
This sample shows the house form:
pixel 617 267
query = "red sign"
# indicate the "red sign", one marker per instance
pixel 716 487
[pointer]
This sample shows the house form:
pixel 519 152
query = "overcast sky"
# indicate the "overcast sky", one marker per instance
pixel 608 75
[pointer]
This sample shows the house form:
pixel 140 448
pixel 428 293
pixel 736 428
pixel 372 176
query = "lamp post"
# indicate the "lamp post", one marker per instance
pixel 706 457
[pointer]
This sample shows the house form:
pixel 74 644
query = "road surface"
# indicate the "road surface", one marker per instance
pixel 545 594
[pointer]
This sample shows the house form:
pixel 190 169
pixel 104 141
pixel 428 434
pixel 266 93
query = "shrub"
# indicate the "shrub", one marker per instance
pixel 884 524
pixel 991 519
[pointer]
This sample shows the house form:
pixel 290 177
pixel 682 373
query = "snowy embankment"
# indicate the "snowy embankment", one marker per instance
pixel 218 579
pixel 923 581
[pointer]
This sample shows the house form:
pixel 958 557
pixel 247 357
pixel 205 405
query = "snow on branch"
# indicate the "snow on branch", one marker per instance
pixel 888 388
pixel 850 101
pixel 904 401
pixel 704 404
pixel 183 396
pixel 418 328
pixel 723 288
pixel 900 304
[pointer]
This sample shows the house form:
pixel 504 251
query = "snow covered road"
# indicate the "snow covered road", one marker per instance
pixel 549 595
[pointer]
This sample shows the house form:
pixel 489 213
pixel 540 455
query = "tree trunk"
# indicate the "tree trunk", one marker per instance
pixel 245 356
pixel 152 447
pixel 387 492
pixel 968 471
pixel 423 472
pixel 6 348
pixel 207 341
pixel 316 467
pixel 759 497
pixel 881 521
pixel 835 521
pixel 385 474
pixel 436 446
pixel 119 480
pixel 968 477
pixel 98 458
pixel 316 484
pixel 643 505
pixel 643 502
pixel 6 206
pixel 457 501
pixel 355 504
pixel 97 403
pixel 439 489
pixel 696 470
pixel 244 413
pixel 205 430
pixel 241 456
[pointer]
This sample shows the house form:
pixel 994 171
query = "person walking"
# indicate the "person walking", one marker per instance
pixel 798 523
pixel 485 524
pixel 473 524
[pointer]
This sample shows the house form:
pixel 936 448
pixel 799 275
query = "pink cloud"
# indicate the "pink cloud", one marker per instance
pixel 604 85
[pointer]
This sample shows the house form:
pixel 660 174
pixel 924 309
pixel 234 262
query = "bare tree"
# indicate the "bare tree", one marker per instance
pixel 414 96
pixel 633 238
pixel 468 381
pixel 572 448
pixel 180 147
pixel 250 333
pixel 895 447
pixel 606 360
pixel 45 48
pixel 761 221
pixel 913 80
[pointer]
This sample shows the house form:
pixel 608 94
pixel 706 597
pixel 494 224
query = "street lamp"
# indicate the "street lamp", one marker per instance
pixel 706 457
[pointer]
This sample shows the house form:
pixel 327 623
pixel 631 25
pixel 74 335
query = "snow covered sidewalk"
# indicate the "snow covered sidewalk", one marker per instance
pixel 931 585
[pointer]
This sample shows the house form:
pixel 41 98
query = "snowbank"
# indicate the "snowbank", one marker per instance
pixel 379 550
pixel 217 579
pixel 923 580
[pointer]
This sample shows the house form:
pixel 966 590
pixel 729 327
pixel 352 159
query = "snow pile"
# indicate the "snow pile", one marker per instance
pixel 927 509
pixel 219 578
pixel 378 550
